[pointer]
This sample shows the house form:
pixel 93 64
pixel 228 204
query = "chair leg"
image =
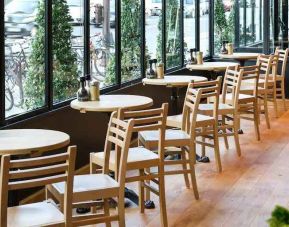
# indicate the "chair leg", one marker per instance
pixel 236 134
pixel 192 157
pixel 203 146
pixel 283 94
pixel 162 198
pixel 147 191
pixel 266 111
pixel 106 211
pixel 275 100
pixel 225 133
pixel 256 120
pixel 121 212
pixel 141 192
pixel 217 149
pixel 186 177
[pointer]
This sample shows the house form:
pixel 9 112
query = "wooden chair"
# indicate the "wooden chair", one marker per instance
pixel 280 77
pixel 90 188
pixel 140 158
pixel 248 103
pixel 37 172
pixel 266 87
pixel 228 107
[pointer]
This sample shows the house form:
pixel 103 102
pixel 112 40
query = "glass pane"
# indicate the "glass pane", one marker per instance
pixel 189 26
pixel 102 42
pixel 224 23
pixel 204 27
pixel 153 28
pixel 67 30
pixel 130 39
pixel 173 34
pixel 24 56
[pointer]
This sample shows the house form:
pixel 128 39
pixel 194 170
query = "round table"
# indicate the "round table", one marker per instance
pixel 29 141
pixel 212 67
pixel 174 82
pixel 240 57
pixel 110 103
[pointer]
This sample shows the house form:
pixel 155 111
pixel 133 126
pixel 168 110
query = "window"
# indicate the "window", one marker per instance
pixel 204 27
pixel 153 30
pixel 68 47
pixel 173 34
pixel 224 19
pixel 130 40
pixel 102 42
pixel 24 56
pixel 189 26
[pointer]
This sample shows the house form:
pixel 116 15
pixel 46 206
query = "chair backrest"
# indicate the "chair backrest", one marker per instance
pixel 251 73
pixel 283 56
pixel 118 137
pixel 231 86
pixel 36 172
pixel 149 119
pixel 209 90
pixel 268 66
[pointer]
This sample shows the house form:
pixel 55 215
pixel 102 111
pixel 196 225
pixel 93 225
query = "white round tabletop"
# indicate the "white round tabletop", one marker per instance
pixel 27 141
pixel 110 103
pixel 174 81
pixel 211 66
pixel 240 56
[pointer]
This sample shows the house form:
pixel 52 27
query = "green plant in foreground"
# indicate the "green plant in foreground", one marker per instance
pixel 279 218
pixel 64 59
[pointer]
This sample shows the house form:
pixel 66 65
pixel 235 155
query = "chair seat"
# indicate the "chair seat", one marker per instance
pixel 243 98
pixel 88 186
pixel 278 77
pixel 172 138
pixel 208 109
pixel 138 157
pixel 176 120
pixel 35 214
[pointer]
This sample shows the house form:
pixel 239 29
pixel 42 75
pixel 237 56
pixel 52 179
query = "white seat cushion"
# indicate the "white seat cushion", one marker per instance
pixel 171 135
pixel 136 155
pixel 35 214
pixel 89 182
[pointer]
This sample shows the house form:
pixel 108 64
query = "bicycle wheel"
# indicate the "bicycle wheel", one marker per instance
pixel 9 101
pixel 100 62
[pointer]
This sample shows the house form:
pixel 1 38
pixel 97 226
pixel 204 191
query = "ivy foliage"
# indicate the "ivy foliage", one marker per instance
pixel 64 59
pixel 224 26
pixel 279 217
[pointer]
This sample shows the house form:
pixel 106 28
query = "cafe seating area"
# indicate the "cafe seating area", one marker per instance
pixel 144 113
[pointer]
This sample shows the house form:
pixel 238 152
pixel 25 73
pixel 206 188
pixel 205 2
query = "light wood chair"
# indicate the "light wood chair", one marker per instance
pixel 280 77
pixel 266 87
pixel 140 158
pixel 248 103
pixel 228 107
pixel 188 123
pixel 90 188
pixel 36 172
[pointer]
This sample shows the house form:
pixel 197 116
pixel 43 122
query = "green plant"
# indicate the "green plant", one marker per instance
pixel 130 43
pixel 64 59
pixel 279 218
pixel 224 26
pixel 173 39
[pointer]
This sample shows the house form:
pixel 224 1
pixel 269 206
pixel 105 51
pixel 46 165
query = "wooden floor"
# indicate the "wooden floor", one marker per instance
pixel 244 194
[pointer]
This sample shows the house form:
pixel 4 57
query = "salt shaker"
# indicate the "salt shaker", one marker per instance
pixel 94 90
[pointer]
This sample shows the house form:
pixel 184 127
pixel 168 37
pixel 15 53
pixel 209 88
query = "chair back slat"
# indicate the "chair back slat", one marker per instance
pixel 195 93
pixel 40 161
pixel 33 183
pixel 118 137
pixel 252 73
pixel 283 57
pixel 42 171
pixel 231 86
